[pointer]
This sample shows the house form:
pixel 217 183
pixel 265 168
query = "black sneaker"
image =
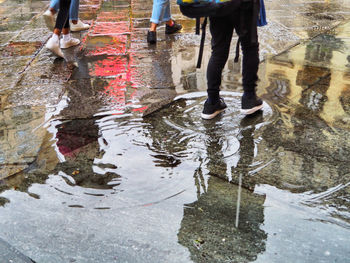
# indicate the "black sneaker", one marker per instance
pixel 172 29
pixel 211 110
pixel 152 37
pixel 251 105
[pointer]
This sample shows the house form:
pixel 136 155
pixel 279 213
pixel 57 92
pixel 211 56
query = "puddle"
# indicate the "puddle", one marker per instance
pixel 90 172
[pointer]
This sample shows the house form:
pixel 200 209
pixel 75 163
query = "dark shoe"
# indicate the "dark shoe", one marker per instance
pixel 152 37
pixel 172 29
pixel 251 104
pixel 211 110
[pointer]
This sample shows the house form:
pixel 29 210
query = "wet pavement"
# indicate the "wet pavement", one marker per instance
pixel 110 161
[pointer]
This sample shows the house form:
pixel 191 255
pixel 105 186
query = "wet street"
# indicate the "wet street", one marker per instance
pixel 104 156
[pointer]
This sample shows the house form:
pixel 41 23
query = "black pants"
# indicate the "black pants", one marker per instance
pixel 62 20
pixel 221 29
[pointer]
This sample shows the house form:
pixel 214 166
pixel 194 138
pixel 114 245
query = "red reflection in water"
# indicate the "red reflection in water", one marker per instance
pixel 110 28
pixel 109 38
pixel 111 66
pixel 106 45
pixel 121 90
pixel 71 139
pixel 112 16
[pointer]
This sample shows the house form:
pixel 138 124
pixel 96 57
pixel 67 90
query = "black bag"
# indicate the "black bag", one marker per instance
pixel 219 8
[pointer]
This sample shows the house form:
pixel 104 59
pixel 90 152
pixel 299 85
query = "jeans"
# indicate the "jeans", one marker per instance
pixel 73 9
pixel 161 11
pixel 221 29
pixel 62 20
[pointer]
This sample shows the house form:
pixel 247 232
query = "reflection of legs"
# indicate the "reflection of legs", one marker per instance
pixel 199 181
pixel 247 148
pixel 215 161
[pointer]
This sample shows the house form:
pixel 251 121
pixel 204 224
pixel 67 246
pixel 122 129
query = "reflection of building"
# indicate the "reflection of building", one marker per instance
pixel 308 141
pixel 20 141
pixel 311 76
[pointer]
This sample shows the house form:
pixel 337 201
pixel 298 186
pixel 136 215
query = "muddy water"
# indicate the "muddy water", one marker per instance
pixel 97 182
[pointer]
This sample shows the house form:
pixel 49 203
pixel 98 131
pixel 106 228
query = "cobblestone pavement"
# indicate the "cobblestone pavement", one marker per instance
pixel 112 154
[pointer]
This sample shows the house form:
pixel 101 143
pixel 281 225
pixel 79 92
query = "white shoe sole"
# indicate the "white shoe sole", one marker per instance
pixel 252 110
pixel 211 116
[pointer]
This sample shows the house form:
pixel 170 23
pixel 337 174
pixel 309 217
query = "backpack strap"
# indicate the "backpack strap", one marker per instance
pixel 198 25
pixel 237 50
pixel 201 47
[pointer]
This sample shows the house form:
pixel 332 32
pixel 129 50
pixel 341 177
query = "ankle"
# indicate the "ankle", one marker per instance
pixel 74 22
pixel 249 94
pixel 213 99
pixel 170 22
pixel 53 11
pixel 153 27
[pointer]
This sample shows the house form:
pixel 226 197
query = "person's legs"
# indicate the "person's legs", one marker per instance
pixel 74 10
pixel 166 15
pixel 53 43
pixel 68 41
pixel 221 30
pixel 171 26
pixel 250 64
pixel 75 23
pixel 61 26
pixel 161 13
pixel 49 14
pixel 62 17
pixel 158 11
pixel 54 6
pixel 250 67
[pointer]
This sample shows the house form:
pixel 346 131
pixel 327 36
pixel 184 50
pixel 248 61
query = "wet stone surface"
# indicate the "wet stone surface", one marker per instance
pixel 110 161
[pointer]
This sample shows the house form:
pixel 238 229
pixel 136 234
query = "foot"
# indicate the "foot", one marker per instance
pixel 251 104
pixel 49 19
pixel 172 29
pixel 53 44
pixel 79 26
pixel 152 37
pixel 71 42
pixel 211 110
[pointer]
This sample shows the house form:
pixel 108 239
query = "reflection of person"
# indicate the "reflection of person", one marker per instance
pixel 62 26
pixel 77 139
pixel 223 225
pixel 161 13
pixel 75 23
pixel 221 29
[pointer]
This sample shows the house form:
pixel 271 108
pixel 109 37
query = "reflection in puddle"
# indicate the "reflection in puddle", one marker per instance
pixel 171 187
